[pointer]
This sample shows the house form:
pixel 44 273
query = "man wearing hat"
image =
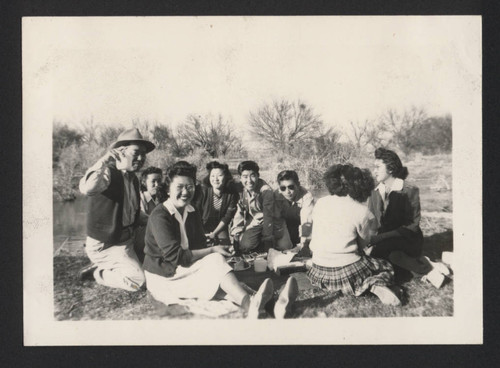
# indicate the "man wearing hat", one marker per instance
pixel 113 208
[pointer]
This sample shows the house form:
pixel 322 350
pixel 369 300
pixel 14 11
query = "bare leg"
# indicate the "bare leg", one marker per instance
pixel 234 291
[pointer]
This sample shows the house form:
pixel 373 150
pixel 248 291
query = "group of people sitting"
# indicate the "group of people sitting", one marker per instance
pixel 174 235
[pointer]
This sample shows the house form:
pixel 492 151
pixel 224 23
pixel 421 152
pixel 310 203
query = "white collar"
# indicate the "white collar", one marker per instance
pixel 147 196
pixel 171 208
pixel 397 184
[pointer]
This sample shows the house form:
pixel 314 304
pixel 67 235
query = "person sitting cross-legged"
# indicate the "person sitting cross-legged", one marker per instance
pixel 258 223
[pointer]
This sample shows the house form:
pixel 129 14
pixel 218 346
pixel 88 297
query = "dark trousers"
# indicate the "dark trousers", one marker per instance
pixel 402 252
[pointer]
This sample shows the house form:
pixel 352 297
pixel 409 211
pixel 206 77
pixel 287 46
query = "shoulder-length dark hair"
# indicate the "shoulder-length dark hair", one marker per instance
pixel 217 165
pixel 392 162
pixel 343 180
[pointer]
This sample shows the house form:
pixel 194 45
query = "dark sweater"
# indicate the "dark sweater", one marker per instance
pixel 402 215
pixel 105 210
pixel 204 204
pixel 163 251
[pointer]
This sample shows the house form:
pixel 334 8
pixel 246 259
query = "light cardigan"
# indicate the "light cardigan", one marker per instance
pixel 342 227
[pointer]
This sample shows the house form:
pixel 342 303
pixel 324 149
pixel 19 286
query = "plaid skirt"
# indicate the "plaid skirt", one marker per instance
pixel 353 279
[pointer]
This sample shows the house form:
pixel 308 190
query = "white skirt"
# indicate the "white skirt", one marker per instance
pixel 201 280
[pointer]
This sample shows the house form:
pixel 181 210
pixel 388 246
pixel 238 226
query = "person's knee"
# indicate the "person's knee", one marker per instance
pixel 284 242
pixel 215 258
pixel 248 243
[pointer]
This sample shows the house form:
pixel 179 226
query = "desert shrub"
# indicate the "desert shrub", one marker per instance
pixel 62 137
pixel 199 158
pixel 160 158
pixel 432 136
pixel 214 135
pixel 65 183
pixel 284 125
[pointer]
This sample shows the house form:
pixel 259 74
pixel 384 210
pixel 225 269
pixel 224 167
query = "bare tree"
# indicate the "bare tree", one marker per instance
pixel 283 124
pixel 162 136
pixel 401 126
pixel 361 131
pixel 89 129
pixel 214 135
pixel 108 134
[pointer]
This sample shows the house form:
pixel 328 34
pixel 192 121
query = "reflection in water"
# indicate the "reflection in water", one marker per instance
pixel 69 218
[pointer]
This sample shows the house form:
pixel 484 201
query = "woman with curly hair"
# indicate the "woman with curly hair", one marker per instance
pixel 396 205
pixel 217 202
pixel 342 228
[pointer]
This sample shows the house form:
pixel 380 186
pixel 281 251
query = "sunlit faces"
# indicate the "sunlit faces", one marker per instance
pixel 249 179
pixel 136 156
pixel 152 182
pixel 380 171
pixel 181 191
pixel 288 189
pixel 217 178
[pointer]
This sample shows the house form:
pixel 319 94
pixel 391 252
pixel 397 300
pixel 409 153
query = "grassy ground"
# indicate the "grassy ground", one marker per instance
pixel 76 300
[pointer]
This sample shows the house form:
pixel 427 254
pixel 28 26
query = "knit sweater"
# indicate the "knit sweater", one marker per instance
pixel 105 210
pixel 342 227
pixel 163 251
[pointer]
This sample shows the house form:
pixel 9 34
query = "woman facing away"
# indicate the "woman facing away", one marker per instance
pixel 178 265
pixel 217 202
pixel 396 206
pixel 342 227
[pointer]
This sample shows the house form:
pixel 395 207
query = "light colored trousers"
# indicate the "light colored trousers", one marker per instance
pixel 117 264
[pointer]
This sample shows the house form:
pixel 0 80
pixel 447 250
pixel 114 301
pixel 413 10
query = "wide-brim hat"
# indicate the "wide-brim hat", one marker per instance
pixel 130 136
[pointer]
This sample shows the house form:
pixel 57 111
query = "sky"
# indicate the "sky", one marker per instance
pixel 114 70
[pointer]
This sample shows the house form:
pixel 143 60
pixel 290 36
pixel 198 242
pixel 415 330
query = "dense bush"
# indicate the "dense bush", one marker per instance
pixel 434 135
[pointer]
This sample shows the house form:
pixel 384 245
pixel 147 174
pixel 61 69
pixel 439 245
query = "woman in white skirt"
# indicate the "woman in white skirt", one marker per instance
pixel 177 263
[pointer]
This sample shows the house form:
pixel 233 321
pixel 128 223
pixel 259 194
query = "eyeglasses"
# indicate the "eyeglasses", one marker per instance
pixel 188 187
pixel 291 187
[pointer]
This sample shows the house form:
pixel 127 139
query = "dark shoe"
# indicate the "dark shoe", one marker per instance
pixel 283 306
pixel 87 272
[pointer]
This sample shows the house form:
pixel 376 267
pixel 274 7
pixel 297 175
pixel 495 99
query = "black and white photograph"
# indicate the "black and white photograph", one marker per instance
pixel 252 180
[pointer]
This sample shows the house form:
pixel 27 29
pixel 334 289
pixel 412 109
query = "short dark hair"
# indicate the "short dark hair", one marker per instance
pixel 288 175
pixel 144 175
pixel 343 180
pixel 248 165
pixel 217 165
pixel 392 162
pixel 181 168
